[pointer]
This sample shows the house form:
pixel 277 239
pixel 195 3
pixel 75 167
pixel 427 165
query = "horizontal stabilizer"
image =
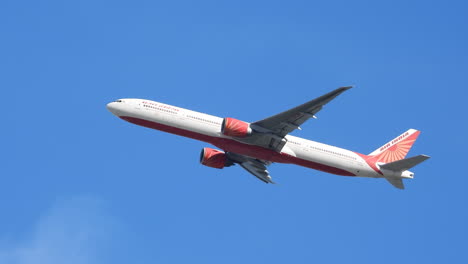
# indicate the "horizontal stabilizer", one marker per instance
pixel 397 182
pixel 404 164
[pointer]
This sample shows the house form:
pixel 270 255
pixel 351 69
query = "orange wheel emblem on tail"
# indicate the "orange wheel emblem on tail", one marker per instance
pixel 397 151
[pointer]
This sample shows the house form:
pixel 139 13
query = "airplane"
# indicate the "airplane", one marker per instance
pixel 256 145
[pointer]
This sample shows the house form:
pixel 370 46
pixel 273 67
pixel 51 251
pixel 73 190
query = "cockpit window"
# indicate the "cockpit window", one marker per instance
pixel 118 101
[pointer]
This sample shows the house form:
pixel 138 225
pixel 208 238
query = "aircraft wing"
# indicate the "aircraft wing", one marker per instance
pixel 286 122
pixel 257 168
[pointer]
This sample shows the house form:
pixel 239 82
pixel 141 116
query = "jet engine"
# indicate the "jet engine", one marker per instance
pixel 214 158
pixel 235 128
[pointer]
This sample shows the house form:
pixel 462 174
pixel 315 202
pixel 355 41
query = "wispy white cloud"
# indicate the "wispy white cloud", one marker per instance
pixel 73 231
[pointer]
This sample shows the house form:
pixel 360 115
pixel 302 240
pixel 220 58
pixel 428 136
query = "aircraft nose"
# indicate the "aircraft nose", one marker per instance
pixel 112 107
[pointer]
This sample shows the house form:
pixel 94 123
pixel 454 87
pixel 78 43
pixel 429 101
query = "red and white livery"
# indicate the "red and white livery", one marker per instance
pixel 256 145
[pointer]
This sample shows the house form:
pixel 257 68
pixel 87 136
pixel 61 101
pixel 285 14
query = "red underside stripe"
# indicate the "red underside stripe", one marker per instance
pixel 231 145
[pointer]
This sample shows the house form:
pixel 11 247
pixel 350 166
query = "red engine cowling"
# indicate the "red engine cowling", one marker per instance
pixel 235 128
pixel 213 158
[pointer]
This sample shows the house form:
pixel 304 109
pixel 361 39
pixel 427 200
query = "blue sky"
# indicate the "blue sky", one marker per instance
pixel 80 186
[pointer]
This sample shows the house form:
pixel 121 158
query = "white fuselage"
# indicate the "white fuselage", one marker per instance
pixel 207 128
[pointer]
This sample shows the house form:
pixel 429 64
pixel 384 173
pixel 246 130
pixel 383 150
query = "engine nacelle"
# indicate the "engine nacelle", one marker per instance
pixel 214 158
pixel 235 128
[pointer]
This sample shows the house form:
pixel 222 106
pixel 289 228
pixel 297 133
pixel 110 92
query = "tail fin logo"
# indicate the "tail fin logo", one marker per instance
pixel 396 140
pixel 397 148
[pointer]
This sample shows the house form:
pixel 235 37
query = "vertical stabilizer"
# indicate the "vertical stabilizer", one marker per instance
pixel 397 148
